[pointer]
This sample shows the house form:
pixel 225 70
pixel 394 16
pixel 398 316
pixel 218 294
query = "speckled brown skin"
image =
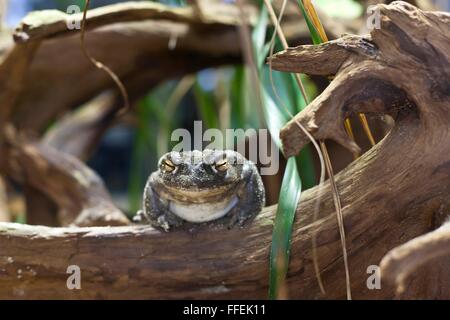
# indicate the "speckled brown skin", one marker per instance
pixel 195 181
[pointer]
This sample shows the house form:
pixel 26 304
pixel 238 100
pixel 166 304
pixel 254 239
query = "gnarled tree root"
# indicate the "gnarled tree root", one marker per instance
pixel 401 69
pixel 77 191
pixel 402 261
pixel 390 195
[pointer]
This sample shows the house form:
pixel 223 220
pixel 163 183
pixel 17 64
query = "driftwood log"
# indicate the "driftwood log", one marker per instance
pixel 395 197
pixel 401 69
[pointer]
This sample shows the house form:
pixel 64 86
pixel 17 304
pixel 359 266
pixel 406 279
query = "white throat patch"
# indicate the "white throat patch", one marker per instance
pixel 202 212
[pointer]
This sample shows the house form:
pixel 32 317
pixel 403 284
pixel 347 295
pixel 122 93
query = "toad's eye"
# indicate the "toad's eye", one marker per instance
pixel 167 166
pixel 221 165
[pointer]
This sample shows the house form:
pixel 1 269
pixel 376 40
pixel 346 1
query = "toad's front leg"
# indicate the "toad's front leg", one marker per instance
pixel 252 199
pixel 156 212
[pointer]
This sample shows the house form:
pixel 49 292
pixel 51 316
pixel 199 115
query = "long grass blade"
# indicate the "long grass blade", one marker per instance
pixel 279 32
pixel 240 113
pixel 315 27
pixel 291 184
pixel 281 237
pixel 318 36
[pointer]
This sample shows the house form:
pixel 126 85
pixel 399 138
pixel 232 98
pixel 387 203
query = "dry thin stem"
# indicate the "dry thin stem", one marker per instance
pixel 283 40
pixel 330 174
pixel 311 11
pixel 336 199
pixel 349 130
pixel 103 67
pixel 337 204
pixel 365 125
pixel 277 24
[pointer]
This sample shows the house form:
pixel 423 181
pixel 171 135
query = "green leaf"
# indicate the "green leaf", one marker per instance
pixel 238 99
pixel 315 36
pixel 206 106
pixel 275 117
pixel 281 236
pixel 291 98
pixel 291 187
pixel 150 115
pixel 135 179
pixel 305 163
pixel 259 36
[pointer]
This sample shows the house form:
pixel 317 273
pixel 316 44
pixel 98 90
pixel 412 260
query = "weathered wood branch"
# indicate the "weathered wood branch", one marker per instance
pixel 79 131
pixel 4 212
pixel 77 192
pixel 382 204
pixel 143 43
pixel 50 23
pixel 323 60
pixel 13 70
pixel 402 69
pixel 400 262
pixel 378 65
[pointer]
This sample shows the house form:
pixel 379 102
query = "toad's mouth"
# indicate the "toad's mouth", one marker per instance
pixel 203 212
pixel 195 195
